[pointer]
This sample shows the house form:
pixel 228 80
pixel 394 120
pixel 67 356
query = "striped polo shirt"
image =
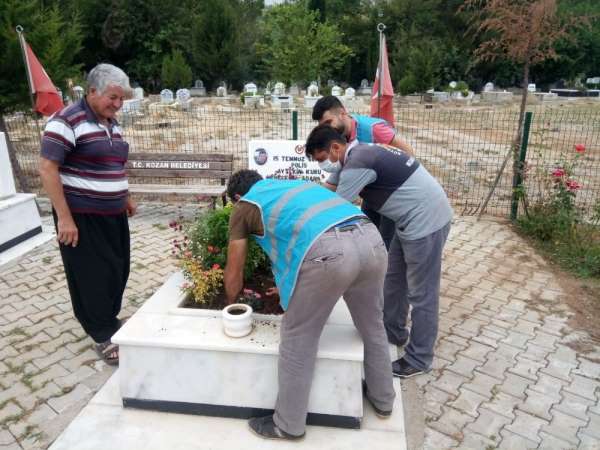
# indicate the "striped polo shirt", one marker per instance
pixel 92 160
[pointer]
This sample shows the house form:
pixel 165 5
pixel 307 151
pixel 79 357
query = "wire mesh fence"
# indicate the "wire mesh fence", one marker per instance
pixel 462 147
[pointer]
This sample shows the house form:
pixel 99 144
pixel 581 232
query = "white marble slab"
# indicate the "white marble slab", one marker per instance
pixel 233 379
pixel 26 246
pixel 206 333
pixel 105 424
pixel 18 215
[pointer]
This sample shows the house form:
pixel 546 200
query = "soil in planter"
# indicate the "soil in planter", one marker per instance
pixel 260 283
pixel 237 311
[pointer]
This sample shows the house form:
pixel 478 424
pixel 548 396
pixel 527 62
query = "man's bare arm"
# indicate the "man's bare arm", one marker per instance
pixel 234 269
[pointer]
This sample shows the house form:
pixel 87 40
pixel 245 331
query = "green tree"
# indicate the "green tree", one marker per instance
pixel 296 47
pixel 422 69
pixel 176 73
pixel 54 38
pixel 215 42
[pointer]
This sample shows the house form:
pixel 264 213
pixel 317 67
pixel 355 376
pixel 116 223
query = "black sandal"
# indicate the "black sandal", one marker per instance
pixel 106 351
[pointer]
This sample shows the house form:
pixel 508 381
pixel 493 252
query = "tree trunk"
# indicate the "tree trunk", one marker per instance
pixel 18 173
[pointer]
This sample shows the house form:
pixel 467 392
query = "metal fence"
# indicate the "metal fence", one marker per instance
pixel 462 147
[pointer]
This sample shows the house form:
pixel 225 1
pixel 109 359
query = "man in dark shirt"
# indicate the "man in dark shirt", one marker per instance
pixel 398 187
pixel 359 129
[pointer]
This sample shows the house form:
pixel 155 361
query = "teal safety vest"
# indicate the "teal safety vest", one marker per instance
pixel 294 214
pixel 364 127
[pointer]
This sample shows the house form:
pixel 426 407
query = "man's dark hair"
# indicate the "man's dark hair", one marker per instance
pixel 320 138
pixel 325 104
pixel 241 182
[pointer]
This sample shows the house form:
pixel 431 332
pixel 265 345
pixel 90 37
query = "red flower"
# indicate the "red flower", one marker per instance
pixel 216 267
pixel 210 249
pixel 558 172
pixel 580 148
pixel 572 185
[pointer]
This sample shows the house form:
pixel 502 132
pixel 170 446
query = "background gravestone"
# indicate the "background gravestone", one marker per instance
pixel 166 96
pixel 198 90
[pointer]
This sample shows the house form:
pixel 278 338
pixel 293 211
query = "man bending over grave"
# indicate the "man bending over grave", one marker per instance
pixel 321 247
pixel 360 129
pixel 398 187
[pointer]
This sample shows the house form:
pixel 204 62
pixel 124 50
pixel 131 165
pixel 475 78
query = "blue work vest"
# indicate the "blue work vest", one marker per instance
pixel 294 214
pixel 364 127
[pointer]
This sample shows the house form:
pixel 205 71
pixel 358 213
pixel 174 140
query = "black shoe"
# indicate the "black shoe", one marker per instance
pixel 266 428
pixel 402 369
pixel 378 412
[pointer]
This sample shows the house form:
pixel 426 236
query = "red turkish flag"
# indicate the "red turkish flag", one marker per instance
pixel 382 106
pixel 47 99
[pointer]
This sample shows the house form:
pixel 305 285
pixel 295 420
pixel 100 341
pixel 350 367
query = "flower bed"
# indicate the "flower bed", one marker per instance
pixel 202 253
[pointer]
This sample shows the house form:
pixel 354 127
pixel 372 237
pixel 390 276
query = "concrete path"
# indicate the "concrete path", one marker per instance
pixel 509 373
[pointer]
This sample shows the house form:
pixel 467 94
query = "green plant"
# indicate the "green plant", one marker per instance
pixel 202 253
pixel 560 227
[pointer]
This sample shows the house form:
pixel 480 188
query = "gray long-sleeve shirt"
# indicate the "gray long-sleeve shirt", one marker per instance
pixel 397 186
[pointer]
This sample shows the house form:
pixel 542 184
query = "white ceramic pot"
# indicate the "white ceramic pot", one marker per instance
pixel 237 320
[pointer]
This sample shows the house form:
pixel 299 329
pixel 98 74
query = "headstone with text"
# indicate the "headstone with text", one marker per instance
pixel 284 160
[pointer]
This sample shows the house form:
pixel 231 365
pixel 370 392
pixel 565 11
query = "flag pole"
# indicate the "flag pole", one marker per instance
pixel 380 28
pixel 19 30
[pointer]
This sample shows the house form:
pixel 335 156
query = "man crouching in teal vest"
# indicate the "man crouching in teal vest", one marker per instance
pixel 321 247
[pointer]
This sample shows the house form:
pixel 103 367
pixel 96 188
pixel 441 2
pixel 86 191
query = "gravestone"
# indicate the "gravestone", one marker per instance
pixel 221 91
pixel 250 89
pixel 330 83
pixel 294 90
pixel 77 93
pixel 166 96
pixel 198 90
pixel 184 98
pixel 337 91
pixel 350 93
pixel 132 105
pixel 138 93
pixel 531 87
pixel 312 90
pixel 183 95
pixel 279 89
pixel 364 87
pixel 489 87
pixel 312 95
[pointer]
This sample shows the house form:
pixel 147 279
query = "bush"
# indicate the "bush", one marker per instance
pixel 558 225
pixel 408 85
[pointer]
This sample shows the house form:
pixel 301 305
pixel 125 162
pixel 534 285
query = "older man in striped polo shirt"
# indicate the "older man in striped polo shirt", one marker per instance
pixel 82 169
